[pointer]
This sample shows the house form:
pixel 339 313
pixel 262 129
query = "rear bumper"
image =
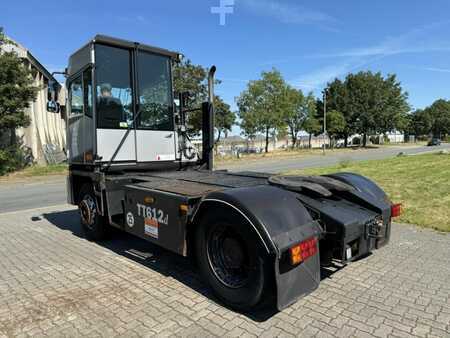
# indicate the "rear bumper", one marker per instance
pixel 362 239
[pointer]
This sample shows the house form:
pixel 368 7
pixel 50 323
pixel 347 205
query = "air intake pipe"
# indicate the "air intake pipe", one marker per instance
pixel 208 123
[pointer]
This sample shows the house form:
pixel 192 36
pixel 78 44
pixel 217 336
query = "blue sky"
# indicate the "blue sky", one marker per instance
pixel 310 42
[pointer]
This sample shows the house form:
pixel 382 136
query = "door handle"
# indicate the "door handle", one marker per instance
pixel 168 136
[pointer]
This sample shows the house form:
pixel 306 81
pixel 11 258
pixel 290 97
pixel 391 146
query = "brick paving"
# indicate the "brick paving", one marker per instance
pixel 55 283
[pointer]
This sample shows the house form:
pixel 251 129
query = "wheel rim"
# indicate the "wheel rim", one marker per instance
pixel 88 211
pixel 228 257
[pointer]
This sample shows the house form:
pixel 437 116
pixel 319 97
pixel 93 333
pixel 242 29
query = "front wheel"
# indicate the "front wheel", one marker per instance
pixel 231 259
pixel 94 225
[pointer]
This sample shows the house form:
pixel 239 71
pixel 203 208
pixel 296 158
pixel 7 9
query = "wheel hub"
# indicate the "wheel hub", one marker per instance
pixel 233 255
pixel 88 210
pixel 228 257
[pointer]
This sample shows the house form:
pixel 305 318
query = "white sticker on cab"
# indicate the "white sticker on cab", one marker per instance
pixel 151 227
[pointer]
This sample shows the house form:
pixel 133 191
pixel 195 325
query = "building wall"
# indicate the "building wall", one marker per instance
pixel 396 137
pixel 45 128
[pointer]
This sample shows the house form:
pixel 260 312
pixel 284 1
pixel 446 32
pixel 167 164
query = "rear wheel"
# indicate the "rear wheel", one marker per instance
pixel 94 225
pixel 231 259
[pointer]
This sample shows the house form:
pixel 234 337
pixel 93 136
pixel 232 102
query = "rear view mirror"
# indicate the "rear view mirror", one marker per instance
pixel 53 106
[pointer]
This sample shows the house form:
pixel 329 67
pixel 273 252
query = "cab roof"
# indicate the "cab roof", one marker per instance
pixel 130 44
pixel 82 56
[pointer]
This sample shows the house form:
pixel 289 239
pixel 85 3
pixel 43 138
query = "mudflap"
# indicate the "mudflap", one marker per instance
pixel 294 282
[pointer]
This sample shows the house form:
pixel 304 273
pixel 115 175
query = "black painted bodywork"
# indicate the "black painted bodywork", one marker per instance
pixel 163 202
pixel 282 215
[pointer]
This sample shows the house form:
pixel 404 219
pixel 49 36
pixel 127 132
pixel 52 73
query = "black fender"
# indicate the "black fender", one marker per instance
pixel 368 189
pixel 361 183
pixel 281 221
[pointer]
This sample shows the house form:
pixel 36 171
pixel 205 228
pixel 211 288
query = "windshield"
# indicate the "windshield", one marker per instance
pixel 155 92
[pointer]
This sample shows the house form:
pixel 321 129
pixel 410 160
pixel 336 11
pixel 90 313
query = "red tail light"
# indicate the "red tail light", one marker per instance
pixel 396 210
pixel 302 251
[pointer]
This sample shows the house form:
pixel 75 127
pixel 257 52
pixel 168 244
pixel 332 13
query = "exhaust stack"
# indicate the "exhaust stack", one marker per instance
pixel 208 123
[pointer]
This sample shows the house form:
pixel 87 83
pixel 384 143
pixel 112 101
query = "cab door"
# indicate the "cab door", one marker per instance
pixel 155 136
pixel 75 120
pixel 114 104
pixel 79 121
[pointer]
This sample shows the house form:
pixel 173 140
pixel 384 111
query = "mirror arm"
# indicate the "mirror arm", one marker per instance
pixel 64 73
pixel 191 110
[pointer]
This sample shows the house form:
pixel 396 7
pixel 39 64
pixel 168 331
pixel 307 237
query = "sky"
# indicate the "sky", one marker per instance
pixel 310 42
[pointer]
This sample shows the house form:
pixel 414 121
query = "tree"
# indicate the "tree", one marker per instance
pixel 296 111
pixel 16 91
pixel 376 104
pixel 261 105
pixel 369 103
pixel 191 78
pixel 439 117
pixel 224 117
pixel 188 77
pixel 4 39
pixel 394 106
pixel 420 123
pixel 337 99
pixel 312 126
pixel 434 120
pixel 335 124
pixel 248 123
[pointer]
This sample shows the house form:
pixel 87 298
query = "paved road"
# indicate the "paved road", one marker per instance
pixel 277 165
pixel 55 283
pixel 28 195
pixel 53 191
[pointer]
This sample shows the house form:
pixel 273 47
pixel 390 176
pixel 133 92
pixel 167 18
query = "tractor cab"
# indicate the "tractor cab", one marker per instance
pixel 121 110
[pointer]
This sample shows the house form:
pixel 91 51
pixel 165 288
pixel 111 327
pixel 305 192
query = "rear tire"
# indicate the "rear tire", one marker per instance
pixel 231 259
pixel 94 225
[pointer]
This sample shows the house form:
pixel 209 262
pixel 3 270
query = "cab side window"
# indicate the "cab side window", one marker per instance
pixel 87 90
pixel 76 96
pixel 80 93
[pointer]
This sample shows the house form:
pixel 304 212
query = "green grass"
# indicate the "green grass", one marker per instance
pixel 45 170
pixel 421 183
pixel 37 170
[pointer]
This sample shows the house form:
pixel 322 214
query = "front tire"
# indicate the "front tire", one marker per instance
pixel 231 259
pixel 94 225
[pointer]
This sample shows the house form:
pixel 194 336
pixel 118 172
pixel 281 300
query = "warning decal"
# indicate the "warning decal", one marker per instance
pixel 130 219
pixel 151 227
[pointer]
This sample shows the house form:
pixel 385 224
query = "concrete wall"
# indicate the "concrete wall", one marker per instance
pixel 45 127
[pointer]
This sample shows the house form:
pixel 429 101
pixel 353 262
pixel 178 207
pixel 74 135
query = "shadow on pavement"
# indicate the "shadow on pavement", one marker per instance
pixel 158 259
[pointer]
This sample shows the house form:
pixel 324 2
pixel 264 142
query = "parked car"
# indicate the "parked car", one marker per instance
pixel 250 150
pixel 434 142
